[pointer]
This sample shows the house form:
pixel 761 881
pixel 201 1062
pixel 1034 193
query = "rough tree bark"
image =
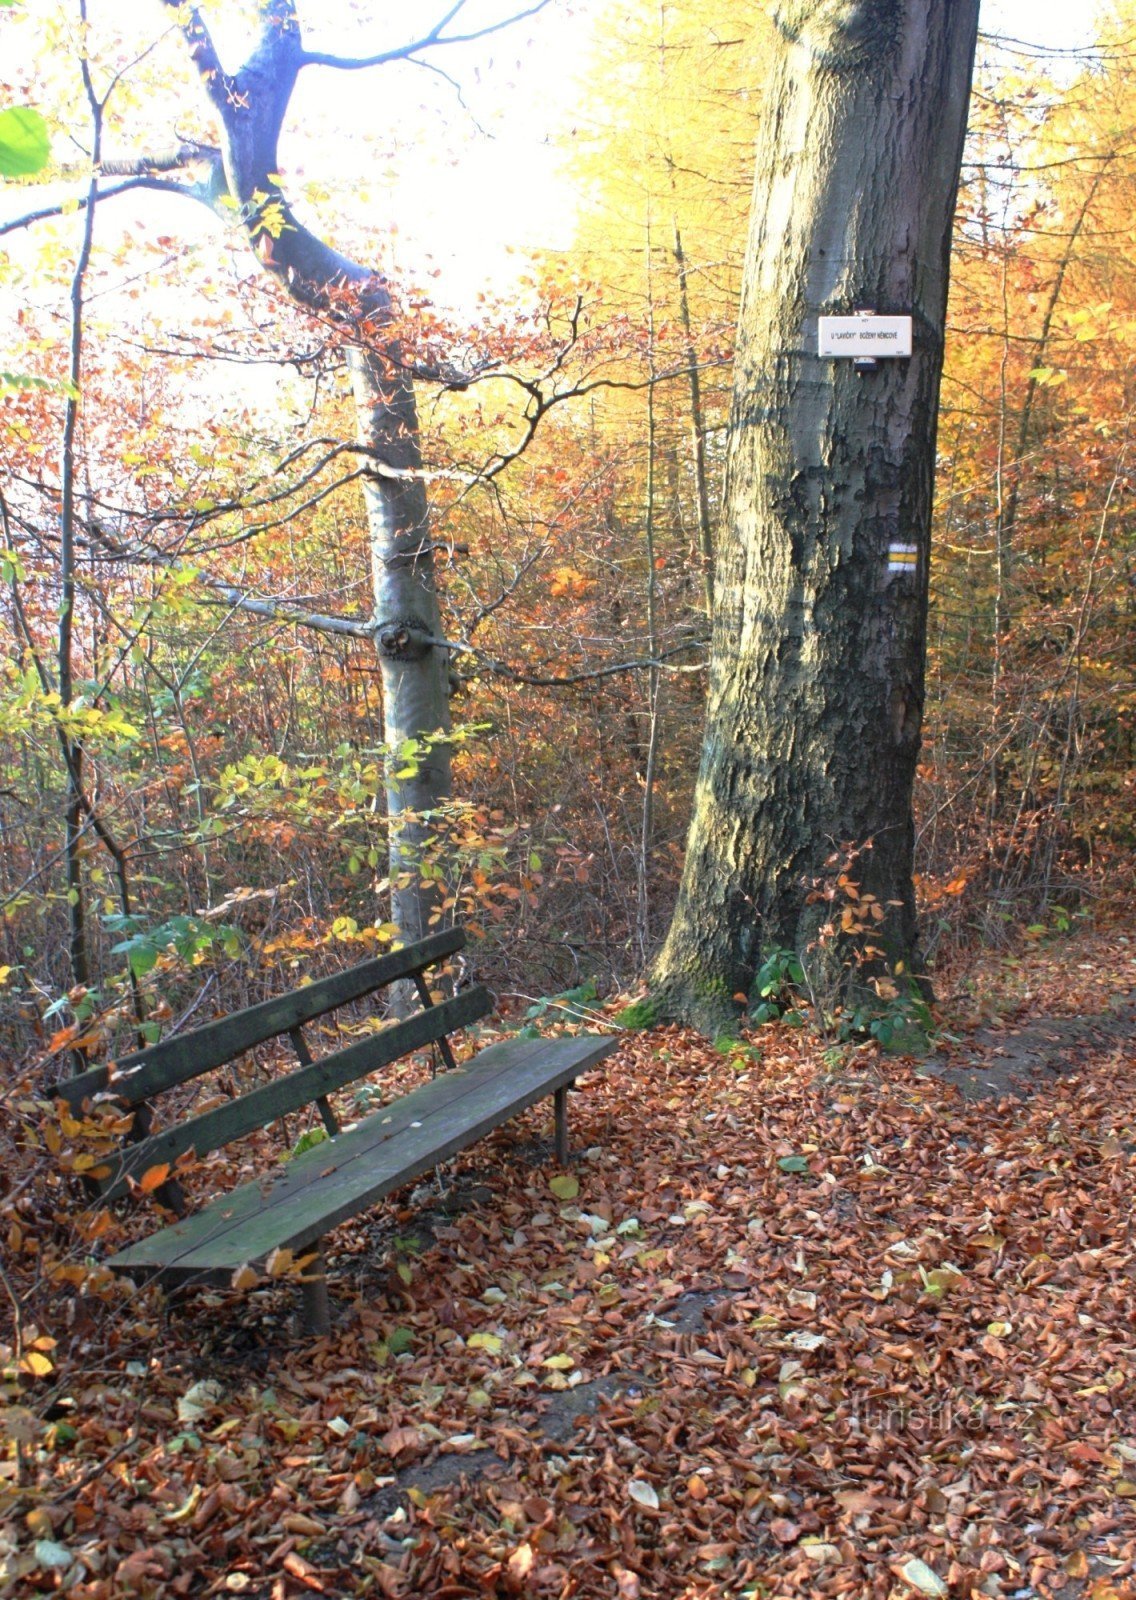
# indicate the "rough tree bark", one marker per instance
pixel 816 693
pixel 250 106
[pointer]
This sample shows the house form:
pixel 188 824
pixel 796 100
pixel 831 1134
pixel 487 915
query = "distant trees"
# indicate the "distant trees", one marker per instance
pixel 1026 794
pixel 235 173
pixel 233 718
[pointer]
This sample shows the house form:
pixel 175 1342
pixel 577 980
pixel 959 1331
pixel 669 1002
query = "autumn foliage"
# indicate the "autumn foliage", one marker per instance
pixel 813 1323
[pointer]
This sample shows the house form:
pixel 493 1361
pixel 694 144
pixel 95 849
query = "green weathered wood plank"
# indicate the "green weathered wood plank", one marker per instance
pixel 337 1180
pixel 146 1073
pixel 223 1124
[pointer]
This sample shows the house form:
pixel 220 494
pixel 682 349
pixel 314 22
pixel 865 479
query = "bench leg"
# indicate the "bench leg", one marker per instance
pixel 315 1313
pixel 560 1100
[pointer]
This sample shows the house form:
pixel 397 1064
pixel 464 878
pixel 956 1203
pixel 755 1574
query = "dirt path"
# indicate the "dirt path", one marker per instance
pixel 1020 1057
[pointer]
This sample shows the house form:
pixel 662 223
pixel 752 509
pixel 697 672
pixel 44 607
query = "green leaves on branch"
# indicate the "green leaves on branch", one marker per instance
pixel 188 937
pixel 14 382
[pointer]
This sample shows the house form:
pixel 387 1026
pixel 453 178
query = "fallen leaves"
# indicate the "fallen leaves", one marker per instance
pixel 402 1441
pixel 920 1576
pixel 904 1369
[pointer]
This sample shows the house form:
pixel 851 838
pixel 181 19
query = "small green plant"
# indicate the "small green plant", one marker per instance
pixel 1061 921
pixel 306 1141
pixel 900 1019
pixel 776 984
pixel 740 1053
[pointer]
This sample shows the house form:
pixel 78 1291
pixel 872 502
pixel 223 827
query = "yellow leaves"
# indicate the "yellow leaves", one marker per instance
pixel 94 1227
pixel 283 1263
pixel 271 217
pixel 188 1506
pixel 565 580
pixel 68 1272
pixel 92 1166
pixel 491 1343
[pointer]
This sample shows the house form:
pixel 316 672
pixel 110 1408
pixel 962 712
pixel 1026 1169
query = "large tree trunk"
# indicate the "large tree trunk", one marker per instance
pixel 816 693
pixel 250 106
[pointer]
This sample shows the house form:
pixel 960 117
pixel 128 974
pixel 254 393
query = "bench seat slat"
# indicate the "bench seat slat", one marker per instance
pixel 146 1073
pixel 258 1107
pixel 334 1181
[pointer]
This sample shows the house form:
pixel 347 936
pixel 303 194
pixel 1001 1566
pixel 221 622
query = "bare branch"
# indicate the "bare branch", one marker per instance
pixel 283 611
pixel 80 202
pixel 436 37
pixel 159 161
pixel 406 637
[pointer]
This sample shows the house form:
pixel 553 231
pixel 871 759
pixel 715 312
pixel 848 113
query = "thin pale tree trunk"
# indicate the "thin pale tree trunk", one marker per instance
pixel 250 106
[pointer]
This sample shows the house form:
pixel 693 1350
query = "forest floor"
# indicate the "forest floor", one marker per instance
pixel 802 1320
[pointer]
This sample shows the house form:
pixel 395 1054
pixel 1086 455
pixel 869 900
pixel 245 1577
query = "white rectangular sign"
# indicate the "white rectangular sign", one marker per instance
pixel 864 336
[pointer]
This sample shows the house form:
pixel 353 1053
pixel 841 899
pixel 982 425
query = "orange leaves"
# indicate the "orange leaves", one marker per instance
pixel 902 1367
pixel 153 1178
pixel 565 580
pixel 402 1441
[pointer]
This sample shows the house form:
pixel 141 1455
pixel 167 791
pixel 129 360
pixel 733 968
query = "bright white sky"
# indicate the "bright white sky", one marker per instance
pixel 461 211
pixel 467 205
pixel 1052 24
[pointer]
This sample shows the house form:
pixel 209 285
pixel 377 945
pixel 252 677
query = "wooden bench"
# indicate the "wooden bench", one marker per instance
pixel 295 1204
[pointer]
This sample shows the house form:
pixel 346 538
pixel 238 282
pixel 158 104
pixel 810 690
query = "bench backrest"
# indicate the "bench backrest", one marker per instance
pixel 146 1073
pixel 233 1119
pixel 139 1077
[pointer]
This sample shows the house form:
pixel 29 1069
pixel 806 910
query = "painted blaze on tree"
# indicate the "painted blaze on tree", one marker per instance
pixel 816 691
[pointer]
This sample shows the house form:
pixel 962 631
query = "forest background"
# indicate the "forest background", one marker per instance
pixel 819 1323
pixel 233 835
